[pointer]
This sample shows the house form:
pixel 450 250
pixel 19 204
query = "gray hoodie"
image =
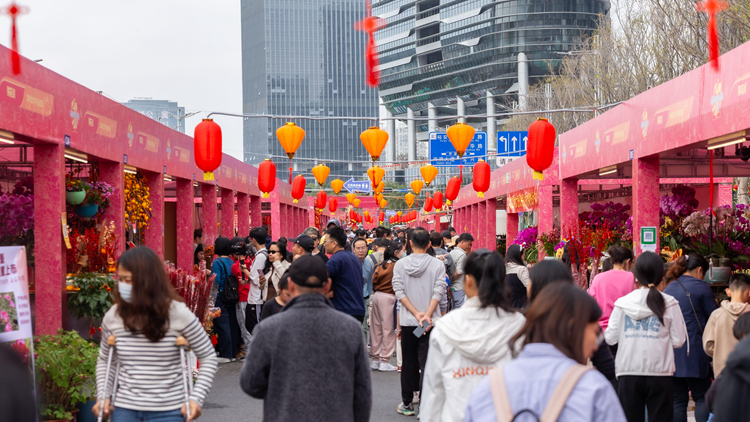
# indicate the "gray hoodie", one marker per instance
pixel 420 278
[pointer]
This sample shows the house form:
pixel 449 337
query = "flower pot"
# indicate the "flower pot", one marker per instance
pixel 87 211
pixel 75 198
pixel 720 275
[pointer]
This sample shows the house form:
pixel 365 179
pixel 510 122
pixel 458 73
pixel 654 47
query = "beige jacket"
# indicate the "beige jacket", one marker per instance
pixel 274 275
pixel 718 339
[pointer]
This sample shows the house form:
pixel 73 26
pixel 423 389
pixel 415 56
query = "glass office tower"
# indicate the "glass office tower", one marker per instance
pixel 304 58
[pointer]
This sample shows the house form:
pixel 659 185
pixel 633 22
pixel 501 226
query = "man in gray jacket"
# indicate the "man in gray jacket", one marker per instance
pixel 419 284
pixel 309 361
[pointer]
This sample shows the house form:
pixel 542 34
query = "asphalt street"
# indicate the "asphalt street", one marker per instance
pixel 227 401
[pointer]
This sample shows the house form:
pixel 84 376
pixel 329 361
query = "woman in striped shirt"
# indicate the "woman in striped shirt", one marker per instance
pixel 146 320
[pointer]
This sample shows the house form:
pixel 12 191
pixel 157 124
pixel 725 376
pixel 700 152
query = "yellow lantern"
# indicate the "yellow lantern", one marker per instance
pixel 374 140
pixel 409 199
pixel 356 202
pixel 375 174
pixel 398 213
pixel 320 172
pixel 378 197
pixel 383 203
pixel 337 185
pixel 460 135
pixel 416 186
pixel 351 197
pixel 379 188
pixel 429 172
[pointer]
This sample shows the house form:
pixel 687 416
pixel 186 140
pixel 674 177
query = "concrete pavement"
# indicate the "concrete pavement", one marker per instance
pixel 228 403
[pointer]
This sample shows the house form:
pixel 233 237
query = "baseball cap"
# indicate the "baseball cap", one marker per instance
pixel 306 267
pixel 304 241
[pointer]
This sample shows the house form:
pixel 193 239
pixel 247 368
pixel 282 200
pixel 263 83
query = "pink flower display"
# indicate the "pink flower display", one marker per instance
pixel 8 328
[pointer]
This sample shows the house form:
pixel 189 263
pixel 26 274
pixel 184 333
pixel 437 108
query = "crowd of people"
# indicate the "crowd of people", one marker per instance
pixel 475 335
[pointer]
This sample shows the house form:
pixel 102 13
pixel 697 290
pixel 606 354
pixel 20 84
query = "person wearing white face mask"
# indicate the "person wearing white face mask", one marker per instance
pixel 146 320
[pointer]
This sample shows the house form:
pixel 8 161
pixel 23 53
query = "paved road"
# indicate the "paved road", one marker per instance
pixel 227 402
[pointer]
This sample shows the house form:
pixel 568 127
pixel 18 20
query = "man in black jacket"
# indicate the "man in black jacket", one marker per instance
pixel 309 361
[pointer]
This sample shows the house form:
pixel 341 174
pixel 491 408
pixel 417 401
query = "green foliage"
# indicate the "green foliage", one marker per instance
pixel 76 185
pixel 66 372
pixel 531 254
pixel 94 298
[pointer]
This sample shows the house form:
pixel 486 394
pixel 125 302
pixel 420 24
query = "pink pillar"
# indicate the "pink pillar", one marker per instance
pixel 645 198
pixel 481 234
pixel 511 228
pixel 474 223
pixel 243 214
pixel 546 214
pixel 185 223
pixel 49 207
pixel 114 174
pixel 569 206
pixel 276 214
pixel 208 206
pixel 155 231
pixel 492 224
pixel 724 196
pixel 256 215
pixel 227 213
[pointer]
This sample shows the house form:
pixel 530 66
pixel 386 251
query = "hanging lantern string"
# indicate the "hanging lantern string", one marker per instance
pixel 14 11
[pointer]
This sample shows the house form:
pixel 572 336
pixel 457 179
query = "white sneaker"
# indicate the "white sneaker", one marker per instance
pixel 224 360
pixel 387 367
pixel 374 365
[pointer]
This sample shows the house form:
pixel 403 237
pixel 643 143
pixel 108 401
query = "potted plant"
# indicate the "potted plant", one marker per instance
pixel 93 298
pixel 97 196
pixel 66 373
pixel 75 191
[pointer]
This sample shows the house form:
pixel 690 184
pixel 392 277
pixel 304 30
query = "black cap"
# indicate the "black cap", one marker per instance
pixel 306 267
pixel 304 241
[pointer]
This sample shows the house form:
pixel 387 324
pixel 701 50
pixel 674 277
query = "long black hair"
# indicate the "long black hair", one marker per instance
pixel 649 271
pixel 390 253
pixel 514 255
pixel 488 269
pixel 547 272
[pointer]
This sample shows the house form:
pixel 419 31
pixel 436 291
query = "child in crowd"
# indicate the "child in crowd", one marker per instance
pixel 718 340
pixel 740 330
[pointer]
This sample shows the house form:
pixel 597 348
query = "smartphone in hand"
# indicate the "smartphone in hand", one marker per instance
pixel 421 330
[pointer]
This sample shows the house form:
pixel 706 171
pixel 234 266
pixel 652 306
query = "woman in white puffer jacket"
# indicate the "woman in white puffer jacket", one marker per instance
pixel 468 342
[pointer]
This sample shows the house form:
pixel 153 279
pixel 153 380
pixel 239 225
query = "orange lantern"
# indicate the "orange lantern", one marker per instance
pixel 350 197
pixel 481 180
pixel 290 136
pixel 298 188
pixel 451 191
pixel 320 200
pixel 207 147
pixel 383 203
pixel 429 172
pixel 376 175
pixel 461 135
pixel 409 199
pixel 428 204
pixel 540 147
pixel 266 177
pixel 337 185
pixel 379 188
pixel 356 202
pixel 437 200
pixel 378 197
pixel 374 140
pixel 320 172
pixel 333 204
pixel 367 213
pixel 416 186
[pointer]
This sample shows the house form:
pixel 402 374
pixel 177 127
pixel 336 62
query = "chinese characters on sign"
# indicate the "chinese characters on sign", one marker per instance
pixel 443 154
pixel 522 201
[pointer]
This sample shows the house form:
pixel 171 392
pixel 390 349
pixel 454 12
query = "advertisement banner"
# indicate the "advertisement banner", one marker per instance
pixel 522 201
pixel 317 219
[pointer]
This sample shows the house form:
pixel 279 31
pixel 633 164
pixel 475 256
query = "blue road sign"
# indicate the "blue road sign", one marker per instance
pixel 512 144
pixel 357 186
pixel 390 213
pixel 442 153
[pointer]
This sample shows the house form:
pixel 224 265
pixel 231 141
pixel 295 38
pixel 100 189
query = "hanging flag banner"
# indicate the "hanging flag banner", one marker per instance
pixel 522 201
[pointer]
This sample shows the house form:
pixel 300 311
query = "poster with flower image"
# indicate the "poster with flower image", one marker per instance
pixel 15 313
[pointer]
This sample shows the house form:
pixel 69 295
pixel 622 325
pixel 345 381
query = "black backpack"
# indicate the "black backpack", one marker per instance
pixel 231 293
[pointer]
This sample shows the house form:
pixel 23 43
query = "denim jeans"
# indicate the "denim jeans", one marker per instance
pixel 227 329
pixel 127 415
pixel 458 298
pixel 683 389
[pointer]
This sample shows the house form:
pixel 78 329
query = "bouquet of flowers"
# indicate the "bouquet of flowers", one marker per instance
pixel 549 240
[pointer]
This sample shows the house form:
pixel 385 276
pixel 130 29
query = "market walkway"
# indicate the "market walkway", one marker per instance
pixel 227 402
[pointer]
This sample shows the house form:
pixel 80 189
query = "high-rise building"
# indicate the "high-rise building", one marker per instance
pixel 166 112
pixel 304 58
pixel 443 58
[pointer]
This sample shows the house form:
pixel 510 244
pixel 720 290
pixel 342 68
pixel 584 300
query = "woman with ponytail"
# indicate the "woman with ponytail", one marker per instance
pixel 466 343
pixel 693 375
pixel 646 325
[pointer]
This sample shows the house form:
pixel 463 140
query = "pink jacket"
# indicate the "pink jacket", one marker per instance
pixel 607 288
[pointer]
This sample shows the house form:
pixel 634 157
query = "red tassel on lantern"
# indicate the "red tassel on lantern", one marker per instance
pixel 320 200
pixel 333 204
pixel 14 11
pixel 452 190
pixel 207 147
pixel 481 180
pixel 540 147
pixel 266 177
pixel 370 24
pixel 712 7
pixel 298 188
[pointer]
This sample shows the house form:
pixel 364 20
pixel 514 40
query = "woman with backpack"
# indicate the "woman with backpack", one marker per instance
pixel 468 341
pixel 646 325
pixel 548 379
pixel 692 376
pixel 517 276
pixel 226 325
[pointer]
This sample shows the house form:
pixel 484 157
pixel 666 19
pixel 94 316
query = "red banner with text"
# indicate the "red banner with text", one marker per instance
pixel 523 201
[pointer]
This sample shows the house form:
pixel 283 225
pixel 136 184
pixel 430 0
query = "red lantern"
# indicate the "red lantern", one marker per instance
pixel 320 200
pixel 207 146
pixel 451 191
pixel 266 177
pixel 428 204
pixel 298 188
pixel 540 147
pixel 333 204
pixel 437 200
pixel 381 216
pixel 481 177
pixel 352 215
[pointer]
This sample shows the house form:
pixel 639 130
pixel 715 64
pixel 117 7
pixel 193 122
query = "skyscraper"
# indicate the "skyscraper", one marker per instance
pixel 304 58
pixel 168 113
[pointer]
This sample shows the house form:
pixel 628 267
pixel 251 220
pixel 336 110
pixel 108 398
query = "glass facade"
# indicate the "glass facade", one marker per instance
pixel 433 51
pixel 304 58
